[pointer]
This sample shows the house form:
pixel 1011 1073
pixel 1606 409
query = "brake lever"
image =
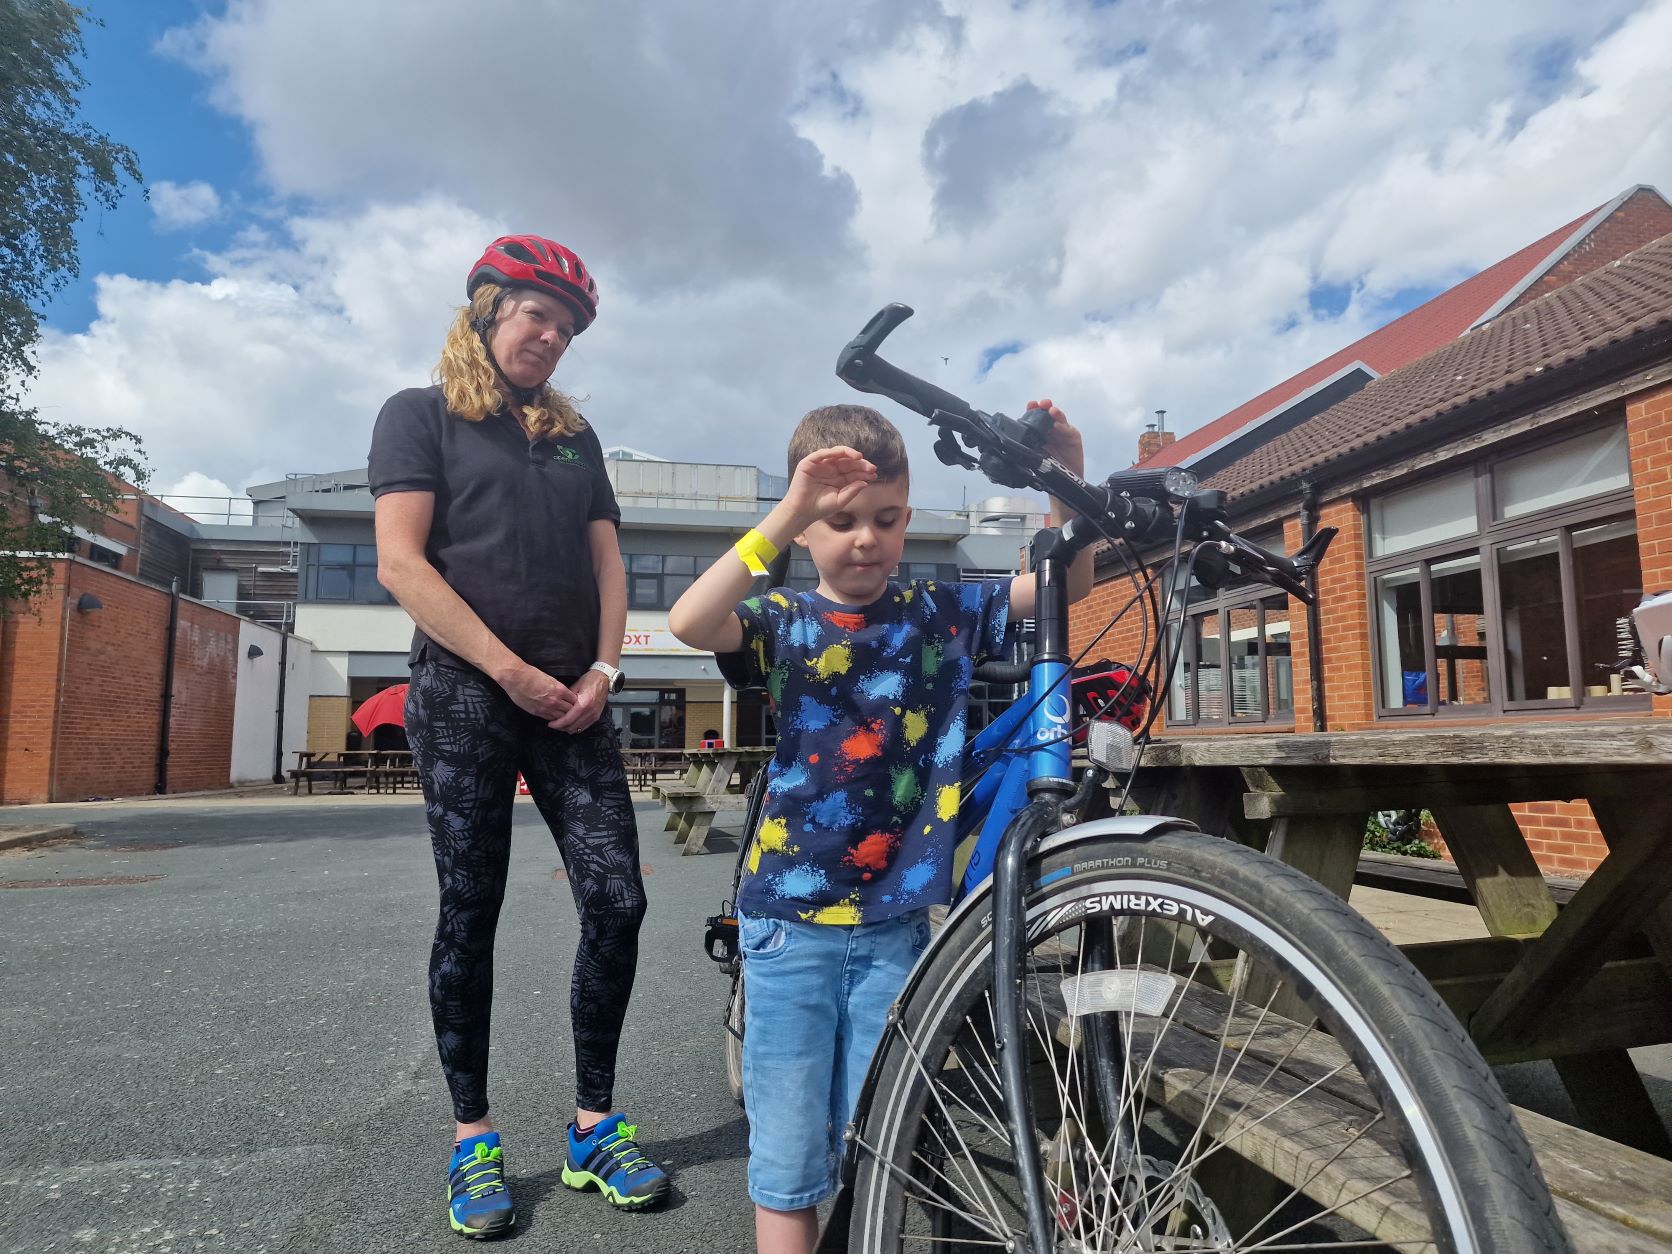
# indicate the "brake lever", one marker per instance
pixel 951 452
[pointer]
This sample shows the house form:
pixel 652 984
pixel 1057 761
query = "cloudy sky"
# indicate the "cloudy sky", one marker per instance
pixel 1126 206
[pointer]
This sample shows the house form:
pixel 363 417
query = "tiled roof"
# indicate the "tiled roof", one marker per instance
pixel 1403 340
pixel 1623 299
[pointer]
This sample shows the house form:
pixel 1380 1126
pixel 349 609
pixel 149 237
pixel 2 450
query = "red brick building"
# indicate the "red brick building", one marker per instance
pixel 1503 497
pixel 82 691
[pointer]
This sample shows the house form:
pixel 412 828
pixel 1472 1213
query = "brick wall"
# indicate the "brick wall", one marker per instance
pixel 90 727
pixel 1152 442
pixel 700 716
pixel 1300 634
pixel 110 710
pixel 1125 641
pixel 30 654
pixel 1344 626
pixel 1649 434
pixel 205 677
pixel 328 723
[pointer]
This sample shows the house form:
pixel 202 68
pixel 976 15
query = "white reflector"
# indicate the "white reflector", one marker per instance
pixel 1110 746
pixel 1126 992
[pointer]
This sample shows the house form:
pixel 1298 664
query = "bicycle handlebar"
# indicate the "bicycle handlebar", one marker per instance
pixel 1004 672
pixel 1139 505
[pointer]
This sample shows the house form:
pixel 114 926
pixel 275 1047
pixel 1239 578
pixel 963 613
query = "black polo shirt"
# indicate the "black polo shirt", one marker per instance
pixel 511 521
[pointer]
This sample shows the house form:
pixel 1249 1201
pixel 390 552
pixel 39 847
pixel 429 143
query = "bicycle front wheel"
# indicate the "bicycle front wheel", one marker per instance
pixel 1222 1057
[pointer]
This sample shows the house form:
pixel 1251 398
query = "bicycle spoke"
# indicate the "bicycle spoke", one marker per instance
pixel 1195 1087
pixel 1318 1171
pixel 1323 1214
pixel 914 1188
pixel 934 1090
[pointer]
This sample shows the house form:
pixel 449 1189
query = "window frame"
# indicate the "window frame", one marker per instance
pixel 1221 605
pixel 357 568
pixel 1492 536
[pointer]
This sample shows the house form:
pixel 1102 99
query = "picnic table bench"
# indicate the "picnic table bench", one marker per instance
pixel 376 769
pixel 646 766
pixel 1578 975
pixel 705 790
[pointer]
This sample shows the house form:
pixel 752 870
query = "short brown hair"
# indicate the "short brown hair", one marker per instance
pixel 859 427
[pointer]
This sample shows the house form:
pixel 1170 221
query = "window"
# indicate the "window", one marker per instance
pixel 342 572
pixel 1570 471
pixel 804 576
pixel 655 581
pixel 1234 663
pixel 650 718
pixel 1432 618
pixel 1497 587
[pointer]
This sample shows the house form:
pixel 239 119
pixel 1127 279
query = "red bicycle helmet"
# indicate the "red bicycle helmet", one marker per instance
pixel 540 263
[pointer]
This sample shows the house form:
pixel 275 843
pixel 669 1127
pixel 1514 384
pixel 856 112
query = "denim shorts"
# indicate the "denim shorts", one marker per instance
pixel 816 999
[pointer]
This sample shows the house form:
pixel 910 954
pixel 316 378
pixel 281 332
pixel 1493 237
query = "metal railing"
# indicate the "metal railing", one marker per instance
pixel 277 614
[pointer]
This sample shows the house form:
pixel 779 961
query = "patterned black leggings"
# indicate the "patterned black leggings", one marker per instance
pixel 469 741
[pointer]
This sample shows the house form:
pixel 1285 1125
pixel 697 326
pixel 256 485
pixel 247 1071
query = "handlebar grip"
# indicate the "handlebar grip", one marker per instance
pixel 859 366
pixel 869 373
pixel 1004 672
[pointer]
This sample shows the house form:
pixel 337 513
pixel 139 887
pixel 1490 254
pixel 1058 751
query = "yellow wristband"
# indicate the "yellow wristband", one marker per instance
pixel 756 551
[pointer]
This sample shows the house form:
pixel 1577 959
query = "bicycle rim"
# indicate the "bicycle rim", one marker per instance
pixel 1261 1091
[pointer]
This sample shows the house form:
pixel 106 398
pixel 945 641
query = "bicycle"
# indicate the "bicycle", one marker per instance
pixel 1132 1036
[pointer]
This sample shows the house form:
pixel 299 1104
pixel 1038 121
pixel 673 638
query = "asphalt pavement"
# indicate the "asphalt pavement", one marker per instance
pixel 216 1037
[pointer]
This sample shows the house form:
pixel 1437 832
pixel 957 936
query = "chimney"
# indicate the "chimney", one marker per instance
pixel 1155 437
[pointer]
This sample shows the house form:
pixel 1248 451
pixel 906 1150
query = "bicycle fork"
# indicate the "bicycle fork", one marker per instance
pixel 1010 1011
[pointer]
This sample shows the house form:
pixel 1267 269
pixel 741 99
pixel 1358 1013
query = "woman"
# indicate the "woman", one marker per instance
pixel 496 531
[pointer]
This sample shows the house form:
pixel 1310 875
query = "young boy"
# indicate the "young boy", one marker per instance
pixel 869 680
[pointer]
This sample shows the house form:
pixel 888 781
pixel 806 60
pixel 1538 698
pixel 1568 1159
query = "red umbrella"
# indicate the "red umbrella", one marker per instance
pixel 388 706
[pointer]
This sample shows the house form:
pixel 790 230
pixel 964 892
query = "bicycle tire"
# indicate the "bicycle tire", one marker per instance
pixel 1476 1183
pixel 734 1040
pixel 732 1022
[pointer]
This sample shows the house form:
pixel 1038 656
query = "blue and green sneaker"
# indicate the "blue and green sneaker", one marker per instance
pixel 609 1159
pixel 478 1203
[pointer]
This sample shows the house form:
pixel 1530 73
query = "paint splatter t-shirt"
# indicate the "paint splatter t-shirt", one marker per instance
pixel 871 704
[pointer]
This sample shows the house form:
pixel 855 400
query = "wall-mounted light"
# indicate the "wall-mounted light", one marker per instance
pixel 253 652
pixel 86 603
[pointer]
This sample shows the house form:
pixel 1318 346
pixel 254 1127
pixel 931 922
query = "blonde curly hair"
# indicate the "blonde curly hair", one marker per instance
pixel 471 385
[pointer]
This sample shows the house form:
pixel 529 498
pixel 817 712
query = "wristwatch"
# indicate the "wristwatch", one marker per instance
pixel 616 676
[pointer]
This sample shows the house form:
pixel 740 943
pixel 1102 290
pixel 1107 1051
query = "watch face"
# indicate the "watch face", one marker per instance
pixel 618 681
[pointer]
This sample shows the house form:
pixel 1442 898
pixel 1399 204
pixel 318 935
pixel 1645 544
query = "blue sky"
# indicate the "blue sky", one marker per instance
pixel 160 109
pixel 1128 207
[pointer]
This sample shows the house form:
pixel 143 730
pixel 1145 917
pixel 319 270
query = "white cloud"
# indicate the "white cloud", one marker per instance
pixel 1143 196
pixel 179 205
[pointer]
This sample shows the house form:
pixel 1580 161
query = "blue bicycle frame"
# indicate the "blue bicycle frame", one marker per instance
pixel 1030 740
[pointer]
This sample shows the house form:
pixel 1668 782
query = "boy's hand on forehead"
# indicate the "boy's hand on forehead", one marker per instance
pixel 827 481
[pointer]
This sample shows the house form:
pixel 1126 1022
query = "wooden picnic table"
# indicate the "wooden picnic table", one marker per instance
pixel 706 790
pixel 377 769
pixel 646 766
pixel 1580 984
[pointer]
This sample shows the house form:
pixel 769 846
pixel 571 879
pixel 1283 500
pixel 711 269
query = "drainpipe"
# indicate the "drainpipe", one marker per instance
pixel 1314 618
pixel 168 684
pixel 65 613
pixel 278 713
